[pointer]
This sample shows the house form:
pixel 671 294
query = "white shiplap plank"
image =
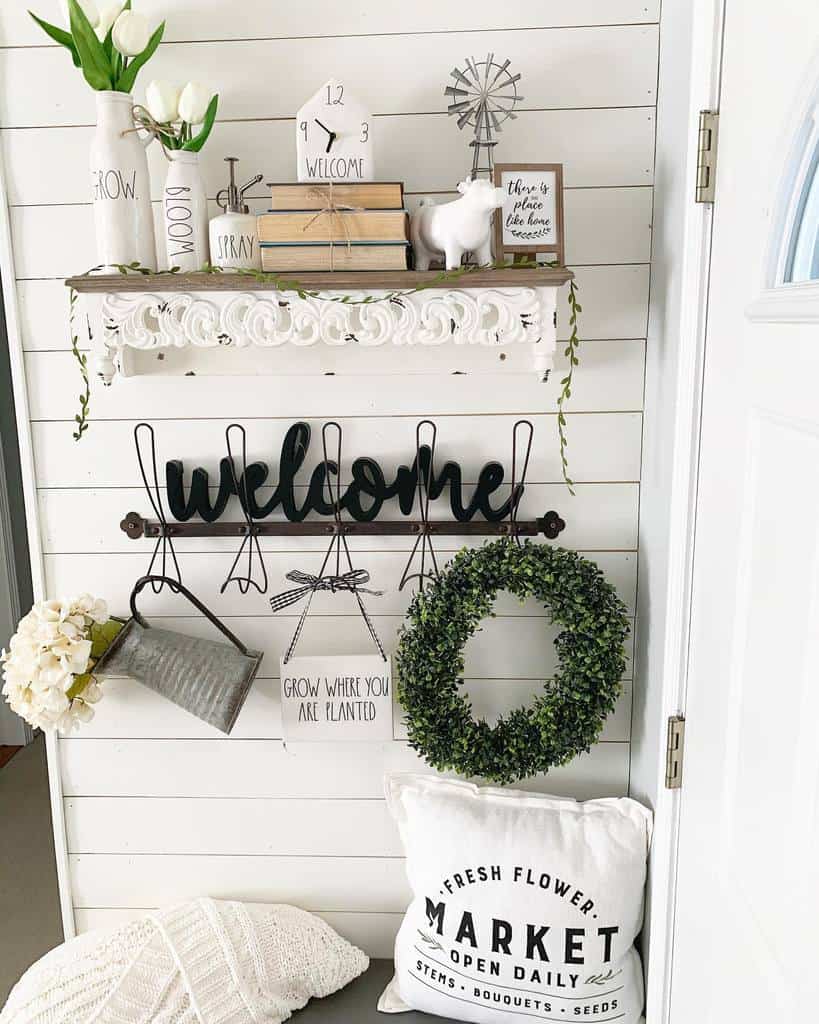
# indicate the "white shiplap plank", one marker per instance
pixel 339 828
pixel 605 225
pixel 374 884
pixel 561 68
pixel 101 511
pixel 520 647
pixel 131 710
pixel 253 769
pixel 374 933
pixel 492 698
pixel 113 575
pixel 612 382
pixel 213 19
pixel 516 646
pixel 598 148
pixel 603 446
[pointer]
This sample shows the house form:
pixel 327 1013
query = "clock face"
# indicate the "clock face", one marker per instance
pixel 334 137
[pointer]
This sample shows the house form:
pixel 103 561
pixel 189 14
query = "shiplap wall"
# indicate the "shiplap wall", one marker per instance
pixel 158 807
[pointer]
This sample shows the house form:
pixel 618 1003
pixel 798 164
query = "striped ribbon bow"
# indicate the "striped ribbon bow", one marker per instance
pixel 350 581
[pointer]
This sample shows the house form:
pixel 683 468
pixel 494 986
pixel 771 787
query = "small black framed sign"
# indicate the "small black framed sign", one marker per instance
pixel 531 218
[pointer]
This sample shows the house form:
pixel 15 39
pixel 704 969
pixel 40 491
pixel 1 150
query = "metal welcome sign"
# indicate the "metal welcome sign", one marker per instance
pixel 362 499
pixel 197 507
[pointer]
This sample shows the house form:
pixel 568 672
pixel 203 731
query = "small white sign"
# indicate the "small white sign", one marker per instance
pixel 531 218
pixel 337 698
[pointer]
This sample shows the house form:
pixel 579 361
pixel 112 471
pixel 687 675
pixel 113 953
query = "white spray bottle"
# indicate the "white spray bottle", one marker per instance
pixel 234 235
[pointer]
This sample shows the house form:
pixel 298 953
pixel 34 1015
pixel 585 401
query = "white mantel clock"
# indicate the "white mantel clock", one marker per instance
pixel 334 137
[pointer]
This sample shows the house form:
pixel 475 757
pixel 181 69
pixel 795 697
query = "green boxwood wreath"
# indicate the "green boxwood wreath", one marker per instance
pixel 566 718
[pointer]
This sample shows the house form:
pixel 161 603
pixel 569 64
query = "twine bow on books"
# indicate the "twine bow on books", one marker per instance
pixel 332 210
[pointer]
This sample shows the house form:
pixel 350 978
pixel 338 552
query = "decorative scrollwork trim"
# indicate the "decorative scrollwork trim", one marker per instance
pixel 463 316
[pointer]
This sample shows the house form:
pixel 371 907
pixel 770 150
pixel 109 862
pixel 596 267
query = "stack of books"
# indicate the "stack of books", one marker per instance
pixel 351 226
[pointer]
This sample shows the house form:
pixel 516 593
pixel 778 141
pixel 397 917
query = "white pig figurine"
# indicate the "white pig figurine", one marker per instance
pixel 462 225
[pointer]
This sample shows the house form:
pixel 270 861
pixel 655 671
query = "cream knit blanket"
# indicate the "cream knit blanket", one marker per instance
pixel 205 962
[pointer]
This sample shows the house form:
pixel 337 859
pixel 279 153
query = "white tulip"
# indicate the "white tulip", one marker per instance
pixel 193 103
pixel 89 9
pixel 162 101
pixel 109 11
pixel 131 33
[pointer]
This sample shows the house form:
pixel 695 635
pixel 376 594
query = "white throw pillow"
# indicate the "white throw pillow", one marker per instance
pixel 205 962
pixel 524 906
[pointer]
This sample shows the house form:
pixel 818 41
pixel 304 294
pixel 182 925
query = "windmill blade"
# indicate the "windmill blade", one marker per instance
pixel 511 80
pixel 501 70
pixel 487 68
pixel 459 76
pixel 453 90
pixel 503 113
pixel 463 120
pixel 473 70
pixel 496 124
pixel 503 96
pixel 455 108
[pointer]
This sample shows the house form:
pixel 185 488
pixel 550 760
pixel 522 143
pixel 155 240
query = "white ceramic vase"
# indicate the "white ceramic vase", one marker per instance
pixel 120 185
pixel 185 208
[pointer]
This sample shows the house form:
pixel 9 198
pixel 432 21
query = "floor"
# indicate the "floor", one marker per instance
pixel 29 902
pixel 7 753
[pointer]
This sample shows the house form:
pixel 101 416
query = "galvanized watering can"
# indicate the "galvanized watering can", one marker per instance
pixel 208 678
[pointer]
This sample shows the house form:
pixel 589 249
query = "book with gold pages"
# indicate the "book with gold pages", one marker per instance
pixel 333 225
pixel 369 195
pixel 356 256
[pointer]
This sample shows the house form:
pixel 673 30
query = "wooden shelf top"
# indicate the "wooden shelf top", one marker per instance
pixel 366 281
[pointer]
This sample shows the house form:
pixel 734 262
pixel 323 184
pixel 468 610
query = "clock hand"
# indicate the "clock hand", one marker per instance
pixel 324 126
pixel 330 141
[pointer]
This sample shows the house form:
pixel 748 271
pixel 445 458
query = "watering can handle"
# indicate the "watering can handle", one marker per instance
pixel 177 588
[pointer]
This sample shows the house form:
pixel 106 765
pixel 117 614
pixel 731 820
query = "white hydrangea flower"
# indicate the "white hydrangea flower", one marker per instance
pixel 51 648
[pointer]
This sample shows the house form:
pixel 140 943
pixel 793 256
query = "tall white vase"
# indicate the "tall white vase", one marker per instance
pixel 120 186
pixel 185 208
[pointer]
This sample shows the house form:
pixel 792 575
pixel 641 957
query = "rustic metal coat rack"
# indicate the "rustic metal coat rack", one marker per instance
pixel 419 481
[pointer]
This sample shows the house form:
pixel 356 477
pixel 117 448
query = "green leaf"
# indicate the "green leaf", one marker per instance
pixel 198 141
pixel 79 684
pixel 95 65
pixel 102 634
pixel 59 36
pixel 128 76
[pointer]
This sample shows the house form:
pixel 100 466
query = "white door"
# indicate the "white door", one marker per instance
pixel 746 942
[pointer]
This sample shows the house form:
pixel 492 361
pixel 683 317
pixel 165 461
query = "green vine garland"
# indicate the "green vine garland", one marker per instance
pixel 288 284
pixel 566 718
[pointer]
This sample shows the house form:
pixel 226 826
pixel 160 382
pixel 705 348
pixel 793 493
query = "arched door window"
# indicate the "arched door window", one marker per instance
pixel 802 253
pixel 790 286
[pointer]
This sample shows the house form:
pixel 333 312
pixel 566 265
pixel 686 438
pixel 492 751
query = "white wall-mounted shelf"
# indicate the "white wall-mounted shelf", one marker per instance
pixel 485 322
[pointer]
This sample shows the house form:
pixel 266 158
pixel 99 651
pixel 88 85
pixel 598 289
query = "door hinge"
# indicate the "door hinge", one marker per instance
pixel 674 752
pixel 707 156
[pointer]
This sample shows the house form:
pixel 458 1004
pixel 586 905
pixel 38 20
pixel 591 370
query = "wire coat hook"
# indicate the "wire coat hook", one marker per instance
pixel 163 549
pixel 424 485
pixel 518 486
pixel 250 540
pixel 350 579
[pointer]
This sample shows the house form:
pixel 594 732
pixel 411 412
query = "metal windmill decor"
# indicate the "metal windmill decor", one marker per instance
pixel 484 96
